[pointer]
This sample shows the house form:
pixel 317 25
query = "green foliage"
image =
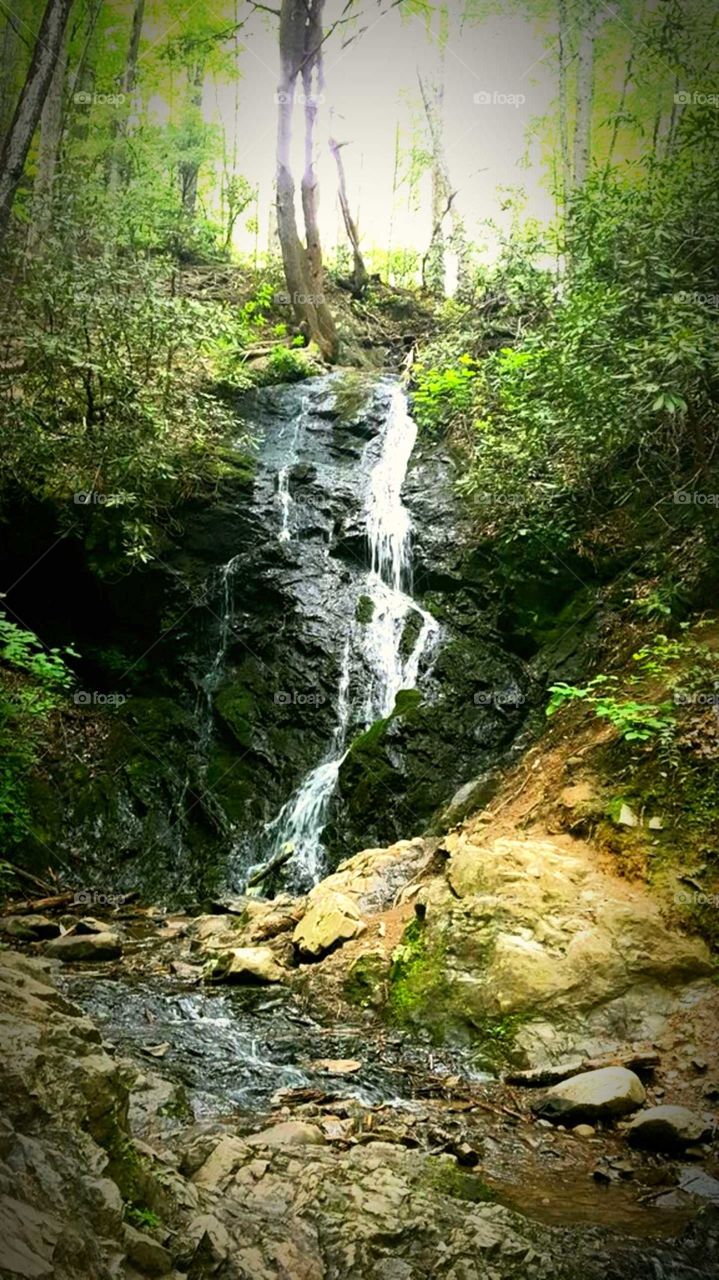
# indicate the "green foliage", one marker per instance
pixel 634 721
pixel 32 681
pixel 442 395
pixel 288 365
pixel 141 1216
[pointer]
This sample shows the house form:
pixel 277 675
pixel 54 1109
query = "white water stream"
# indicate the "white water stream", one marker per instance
pixel 300 822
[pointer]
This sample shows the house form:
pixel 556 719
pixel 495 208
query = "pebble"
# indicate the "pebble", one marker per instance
pixel 584 1130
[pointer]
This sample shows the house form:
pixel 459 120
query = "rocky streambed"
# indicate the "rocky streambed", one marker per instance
pixel 240 1093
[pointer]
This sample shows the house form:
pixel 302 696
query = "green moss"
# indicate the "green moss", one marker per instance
pixel 418 986
pixel 494 1046
pixel 236 705
pixel 449 1180
pixel 364 612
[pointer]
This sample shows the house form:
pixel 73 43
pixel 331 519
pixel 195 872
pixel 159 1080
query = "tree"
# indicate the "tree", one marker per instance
pixel 359 271
pixel 47 154
pixel 30 104
pixel 301 39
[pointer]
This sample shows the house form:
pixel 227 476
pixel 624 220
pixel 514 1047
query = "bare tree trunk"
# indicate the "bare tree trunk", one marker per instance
pixel 359 271
pixel 564 103
pixel 51 122
pixel 300 41
pixel 190 171
pixel 443 204
pixel 30 104
pixel 585 96
pixel 433 263
pixel 129 80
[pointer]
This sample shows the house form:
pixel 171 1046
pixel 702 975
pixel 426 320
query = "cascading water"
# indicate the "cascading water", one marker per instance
pixel 298 826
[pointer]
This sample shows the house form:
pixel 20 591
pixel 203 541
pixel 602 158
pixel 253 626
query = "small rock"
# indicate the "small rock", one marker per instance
pixel 156 1050
pixel 290 1133
pixel 700 1065
pixel 146 1252
pixel 29 928
pixel 91 946
pixel 88 924
pixel 584 1130
pixel 667 1129
pixel 246 965
pixel 656 823
pixel 336 1066
pixel 608 1092
pixel 698 1183
pixel 627 817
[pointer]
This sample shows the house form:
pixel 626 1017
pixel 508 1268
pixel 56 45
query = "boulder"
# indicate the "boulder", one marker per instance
pixel 85 946
pixel 667 1129
pixel 331 920
pixel 290 1133
pixel 29 928
pixel 147 1253
pixel 248 965
pixel 594 1095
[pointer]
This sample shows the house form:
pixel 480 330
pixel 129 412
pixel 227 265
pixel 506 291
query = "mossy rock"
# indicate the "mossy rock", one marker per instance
pixel 364 612
pixel 364 983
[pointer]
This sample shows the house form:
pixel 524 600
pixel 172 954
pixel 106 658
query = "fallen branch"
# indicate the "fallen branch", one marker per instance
pixel 274 864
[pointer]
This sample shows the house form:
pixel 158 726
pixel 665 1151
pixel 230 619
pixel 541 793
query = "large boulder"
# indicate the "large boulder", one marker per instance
pixel 331 919
pixel 667 1129
pixel 606 1094
pixel 528 943
pixel 85 946
pixel 29 928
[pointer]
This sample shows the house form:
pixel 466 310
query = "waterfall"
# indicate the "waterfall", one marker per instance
pixel 378 643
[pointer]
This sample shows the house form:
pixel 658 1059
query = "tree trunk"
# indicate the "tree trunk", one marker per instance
pixel 189 172
pixel 300 37
pixel 129 80
pixel 433 263
pixel 51 122
pixel 584 97
pixel 359 270
pixel 30 104
pixel 564 103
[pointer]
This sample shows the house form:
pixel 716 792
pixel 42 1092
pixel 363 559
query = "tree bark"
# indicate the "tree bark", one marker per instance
pixel 30 104
pixel 359 271
pixel 564 103
pixel 190 171
pixel 300 55
pixel 443 204
pixel 585 97
pixel 129 79
pixel 51 124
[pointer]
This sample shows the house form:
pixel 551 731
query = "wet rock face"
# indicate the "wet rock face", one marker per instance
pixel 230 657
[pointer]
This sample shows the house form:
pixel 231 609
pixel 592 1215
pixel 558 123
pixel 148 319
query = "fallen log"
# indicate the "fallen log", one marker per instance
pixel 641 1061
